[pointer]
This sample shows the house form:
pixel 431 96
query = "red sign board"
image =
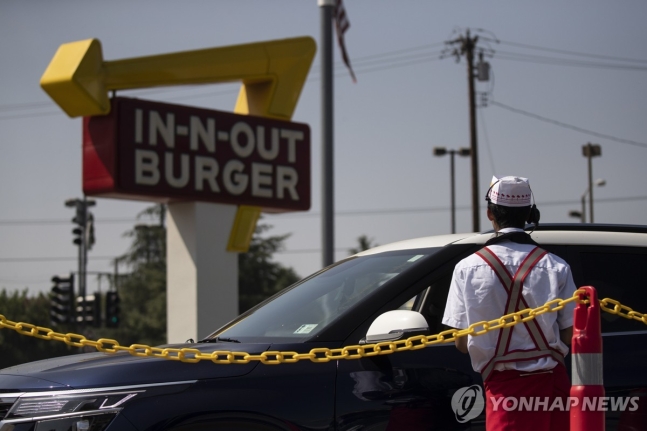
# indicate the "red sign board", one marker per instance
pixel 161 152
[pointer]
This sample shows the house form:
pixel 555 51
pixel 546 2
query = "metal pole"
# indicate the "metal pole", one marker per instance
pixel 452 153
pixel 469 55
pixel 327 171
pixel 81 289
pixel 583 214
pixel 116 277
pixel 590 156
pixel 84 252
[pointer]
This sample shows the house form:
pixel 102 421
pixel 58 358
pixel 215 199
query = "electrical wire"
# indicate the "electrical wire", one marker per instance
pixel 64 221
pixel 341 213
pixel 529 58
pixel 567 52
pixel 363 65
pixel 371 58
pixel 32 115
pixel 309 214
pixel 373 63
pixel 568 126
pixel 23 106
pixel 51 259
pixel 487 140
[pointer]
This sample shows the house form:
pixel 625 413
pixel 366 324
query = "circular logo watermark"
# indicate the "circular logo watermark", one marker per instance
pixel 468 403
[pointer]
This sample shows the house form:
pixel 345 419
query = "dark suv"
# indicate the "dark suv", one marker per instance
pixel 335 307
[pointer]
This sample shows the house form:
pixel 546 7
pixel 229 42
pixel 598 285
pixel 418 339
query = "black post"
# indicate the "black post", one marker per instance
pixel 590 156
pixel 327 154
pixel 83 249
pixel 452 153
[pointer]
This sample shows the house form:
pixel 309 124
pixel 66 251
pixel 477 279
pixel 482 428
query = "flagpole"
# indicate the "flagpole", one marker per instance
pixel 327 171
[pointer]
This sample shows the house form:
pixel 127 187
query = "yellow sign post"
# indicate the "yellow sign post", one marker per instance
pixel 272 75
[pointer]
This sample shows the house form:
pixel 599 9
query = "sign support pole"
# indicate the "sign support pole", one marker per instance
pixel 327 147
pixel 202 277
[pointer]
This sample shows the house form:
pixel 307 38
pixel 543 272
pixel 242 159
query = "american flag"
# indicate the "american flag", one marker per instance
pixel 341 25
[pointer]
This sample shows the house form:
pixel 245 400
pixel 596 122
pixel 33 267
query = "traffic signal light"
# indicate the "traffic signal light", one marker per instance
pixel 112 309
pixel 89 231
pixel 89 311
pixel 62 300
pixel 78 235
pixel 80 216
pixel 84 221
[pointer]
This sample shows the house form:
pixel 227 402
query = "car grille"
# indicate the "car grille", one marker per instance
pixel 4 409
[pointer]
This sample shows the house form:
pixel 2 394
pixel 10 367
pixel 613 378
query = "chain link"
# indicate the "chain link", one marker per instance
pixel 321 354
pixel 622 310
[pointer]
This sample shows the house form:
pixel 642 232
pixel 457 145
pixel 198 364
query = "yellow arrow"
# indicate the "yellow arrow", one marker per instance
pixel 272 73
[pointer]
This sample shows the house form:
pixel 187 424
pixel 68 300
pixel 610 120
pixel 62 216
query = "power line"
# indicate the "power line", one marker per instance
pixel 568 126
pixel 38 114
pixel 386 59
pixel 353 213
pixel 562 51
pixel 346 213
pixel 28 105
pixel 343 213
pixel 487 140
pixel 369 67
pixel 51 259
pixel 63 221
pixel 528 58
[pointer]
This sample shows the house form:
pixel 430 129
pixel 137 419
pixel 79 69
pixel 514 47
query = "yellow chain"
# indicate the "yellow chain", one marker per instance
pixel 622 310
pixel 322 354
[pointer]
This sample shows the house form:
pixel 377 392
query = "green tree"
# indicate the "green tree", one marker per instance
pixel 16 348
pixel 258 276
pixel 363 243
pixel 143 290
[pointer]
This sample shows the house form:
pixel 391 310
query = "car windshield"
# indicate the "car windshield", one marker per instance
pixel 306 308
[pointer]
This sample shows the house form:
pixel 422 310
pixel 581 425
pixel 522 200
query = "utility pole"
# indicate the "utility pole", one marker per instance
pixel 465 46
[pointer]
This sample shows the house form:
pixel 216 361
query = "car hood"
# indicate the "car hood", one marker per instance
pixel 91 370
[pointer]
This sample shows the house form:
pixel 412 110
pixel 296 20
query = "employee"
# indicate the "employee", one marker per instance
pixel 511 273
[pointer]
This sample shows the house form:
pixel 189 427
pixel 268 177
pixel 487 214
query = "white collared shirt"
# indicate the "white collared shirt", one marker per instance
pixel 476 294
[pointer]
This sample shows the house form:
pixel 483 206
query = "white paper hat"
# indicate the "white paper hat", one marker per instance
pixel 510 192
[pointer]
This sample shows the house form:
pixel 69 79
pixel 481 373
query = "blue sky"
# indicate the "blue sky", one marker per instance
pixel 582 64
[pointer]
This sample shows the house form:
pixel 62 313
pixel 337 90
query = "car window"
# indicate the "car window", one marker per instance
pixel 617 274
pixel 431 302
pixel 409 305
pixel 304 310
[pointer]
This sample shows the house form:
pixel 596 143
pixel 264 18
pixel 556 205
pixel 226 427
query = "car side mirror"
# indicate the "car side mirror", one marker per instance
pixel 396 325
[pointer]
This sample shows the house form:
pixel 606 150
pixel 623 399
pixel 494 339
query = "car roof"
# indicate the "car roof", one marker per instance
pixel 562 234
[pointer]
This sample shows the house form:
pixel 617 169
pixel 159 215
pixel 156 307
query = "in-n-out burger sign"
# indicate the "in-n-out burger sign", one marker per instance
pixel 161 152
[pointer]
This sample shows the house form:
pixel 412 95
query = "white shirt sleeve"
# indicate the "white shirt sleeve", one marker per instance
pixel 455 314
pixel 565 315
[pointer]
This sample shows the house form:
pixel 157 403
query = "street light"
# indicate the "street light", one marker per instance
pixel 599 183
pixel 589 151
pixel 582 214
pixel 576 214
pixel 463 152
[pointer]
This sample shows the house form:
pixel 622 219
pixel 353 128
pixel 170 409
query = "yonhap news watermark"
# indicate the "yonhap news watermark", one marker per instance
pixel 469 402
pixel 586 404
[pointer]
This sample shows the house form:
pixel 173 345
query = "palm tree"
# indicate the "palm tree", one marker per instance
pixel 364 243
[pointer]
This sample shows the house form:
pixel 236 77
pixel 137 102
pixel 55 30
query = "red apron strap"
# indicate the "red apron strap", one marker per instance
pixel 514 287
